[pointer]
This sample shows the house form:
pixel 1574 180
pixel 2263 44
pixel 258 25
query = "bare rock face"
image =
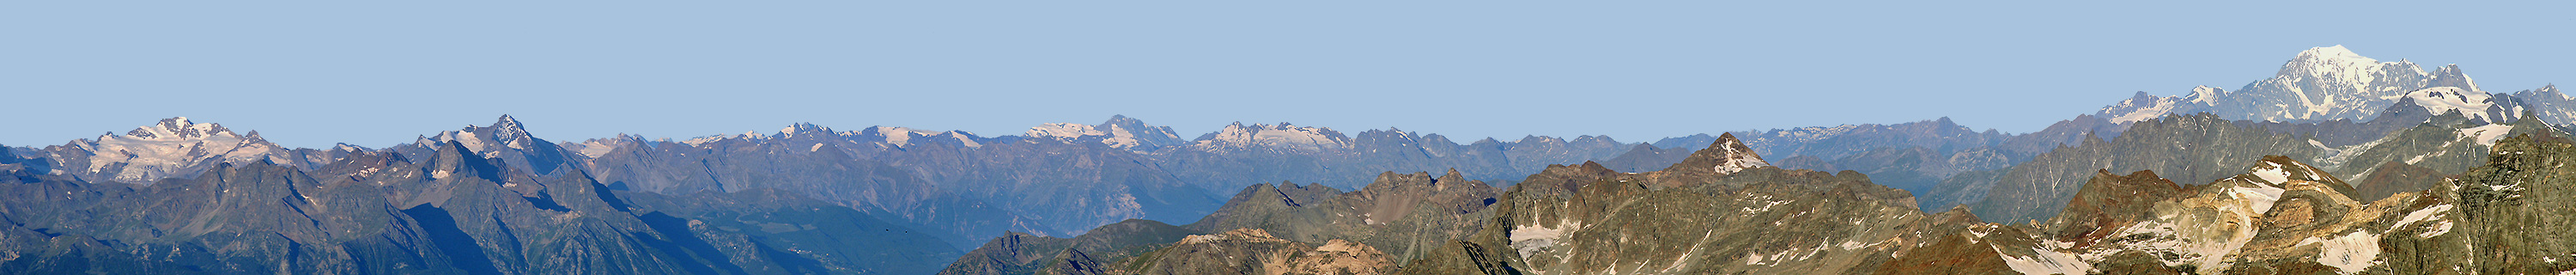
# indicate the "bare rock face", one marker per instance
pixel 1397 217
pixel 1253 251
pixel 1719 212
pixel 2188 149
pixel 1404 214
pixel 2285 217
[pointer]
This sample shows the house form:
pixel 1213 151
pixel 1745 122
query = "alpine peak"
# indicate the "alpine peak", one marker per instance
pixel 178 128
pixel 1725 156
pixel 173 147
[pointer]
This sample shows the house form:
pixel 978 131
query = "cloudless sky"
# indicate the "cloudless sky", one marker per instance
pixel 377 73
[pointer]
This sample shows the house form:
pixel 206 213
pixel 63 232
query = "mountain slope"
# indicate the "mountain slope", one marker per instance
pixel 2196 148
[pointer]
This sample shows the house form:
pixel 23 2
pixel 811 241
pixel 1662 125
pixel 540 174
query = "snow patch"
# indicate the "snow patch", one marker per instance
pixel 595 149
pixel 2272 174
pixel 2439 100
pixel 900 136
pixel 2486 135
pixel 2351 253
pixel 965 138
pixel 1738 158
pixel 2141 111
pixel 2045 262
pixel 1530 240
pixel 1064 131
pixel 2436 213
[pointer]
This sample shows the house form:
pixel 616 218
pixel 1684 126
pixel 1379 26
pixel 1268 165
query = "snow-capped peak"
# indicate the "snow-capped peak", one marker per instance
pixel 2438 100
pixel 178 128
pixel 174 147
pixel 2451 76
pixel 793 130
pixel 1284 135
pixel 506 131
pixel 1064 131
pixel 1119 132
pixel 2333 67
pixel 2336 52
pixel 2322 83
pixel 899 136
pixel 2140 107
pixel 2204 95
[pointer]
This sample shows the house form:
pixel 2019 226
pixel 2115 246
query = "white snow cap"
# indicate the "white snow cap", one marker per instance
pixel 1064 131
pixel 174 147
pixel 2447 99
pixel 1284 135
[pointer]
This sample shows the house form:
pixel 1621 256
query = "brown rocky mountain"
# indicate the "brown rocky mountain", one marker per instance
pixel 2285 217
pixel 1400 216
pixel 1721 211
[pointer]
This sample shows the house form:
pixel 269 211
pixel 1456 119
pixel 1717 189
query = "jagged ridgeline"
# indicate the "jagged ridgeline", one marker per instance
pixel 1707 213
pixel 2407 171
pixel 1725 211
pixel 443 210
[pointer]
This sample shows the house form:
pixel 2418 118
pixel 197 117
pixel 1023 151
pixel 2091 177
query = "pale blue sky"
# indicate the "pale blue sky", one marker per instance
pixel 376 73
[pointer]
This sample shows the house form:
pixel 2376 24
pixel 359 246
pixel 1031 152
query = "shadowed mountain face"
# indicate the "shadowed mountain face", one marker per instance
pixel 1398 217
pixel 939 183
pixel 446 210
pixel 1057 179
pixel 2394 171
pixel 1710 210
pixel 1716 212
pixel 172 148
pixel 2188 148
pixel 1724 211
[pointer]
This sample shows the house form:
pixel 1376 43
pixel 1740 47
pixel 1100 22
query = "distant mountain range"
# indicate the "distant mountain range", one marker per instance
pixel 2338 163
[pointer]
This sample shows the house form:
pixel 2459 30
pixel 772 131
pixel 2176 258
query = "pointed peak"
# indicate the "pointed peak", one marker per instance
pixel 506 123
pixel 508 128
pixel 1122 120
pixel 1726 139
pixel 1726 156
pixel 178 127
pixel 2324 61
pixel 2335 52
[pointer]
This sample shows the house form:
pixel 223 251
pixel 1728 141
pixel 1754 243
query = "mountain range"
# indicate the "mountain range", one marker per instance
pixel 2337 163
